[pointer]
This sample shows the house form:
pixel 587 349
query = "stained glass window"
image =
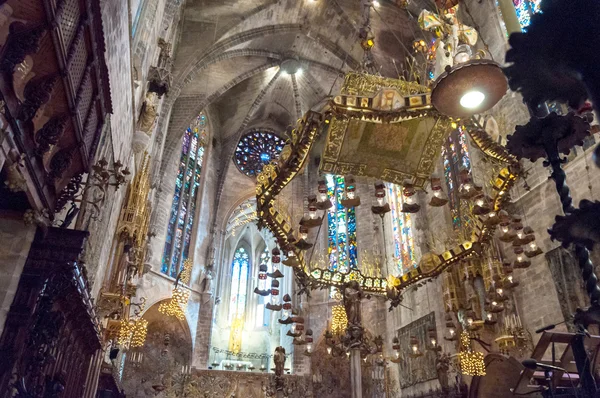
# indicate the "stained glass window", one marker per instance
pixel 256 149
pixel 341 228
pixel 455 155
pixel 239 279
pixel 183 209
pixel 402 232
pixel 263 316
pixel 525 9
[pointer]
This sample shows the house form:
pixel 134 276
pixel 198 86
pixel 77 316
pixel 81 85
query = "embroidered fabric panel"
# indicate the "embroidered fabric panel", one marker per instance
pixel 341 228
pixel 402 232
pixel 183 208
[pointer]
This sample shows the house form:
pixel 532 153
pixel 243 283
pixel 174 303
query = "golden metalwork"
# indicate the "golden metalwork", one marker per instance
pixel 369 85
pixel 140 330
pixel 135 213
pixel 339 320
pixel 471 361
pixel 177 304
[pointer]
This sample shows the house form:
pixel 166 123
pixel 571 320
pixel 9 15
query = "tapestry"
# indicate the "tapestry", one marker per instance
pixel 393 152
pixel 420 369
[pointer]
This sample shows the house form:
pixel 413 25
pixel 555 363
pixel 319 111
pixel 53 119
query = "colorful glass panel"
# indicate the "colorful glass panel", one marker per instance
pixel 239 280
pixel 183 208
pixel 402 232
pixel 255 150
pixel 455 155
pixel 525 9
pixel 341 228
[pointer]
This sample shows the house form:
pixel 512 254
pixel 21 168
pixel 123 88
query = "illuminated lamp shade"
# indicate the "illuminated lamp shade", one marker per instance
pixel 408 194
pixel 382 206
pixel 351 198
pixel 521 261
pixel 274 304
pixel 469 88
pixel 438 198
pixel 323 202
pixel 312 220
pixel 301 243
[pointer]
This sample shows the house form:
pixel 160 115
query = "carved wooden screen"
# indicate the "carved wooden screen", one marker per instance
pixel 51 337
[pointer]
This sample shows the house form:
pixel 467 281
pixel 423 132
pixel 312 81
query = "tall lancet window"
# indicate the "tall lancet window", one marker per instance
pixel 239 280
pixel 402 232
pixel 183 209
pixel 341 228
pixel 240 267
pixel 455 154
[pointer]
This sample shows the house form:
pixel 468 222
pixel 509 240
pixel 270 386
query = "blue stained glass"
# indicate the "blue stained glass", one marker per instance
pixel 525 9
pixel 180 227
pixel 256 149
pixel 402 232
pixel 239 280
pixel 455 158
pixel 341 228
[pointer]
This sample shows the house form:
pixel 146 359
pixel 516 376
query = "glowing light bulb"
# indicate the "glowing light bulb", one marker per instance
pixel 415 348
pixel 510 278
pixel 323 196
pixel 433 342
pixel 472 99
pixel 533 246
pixel 348 354
pixel 505 230
pixel 494 303
pixel 365 359
pixel 489 317
pixel 293 328
pixel 493 214
pixel 329 350
pixel 409 200
pixel 286 313
pixel 309 347
pixel 520 258
pixel 470 321
pixel 452 331
pixel 380 201
pixel 479 202
pixel 376 3
pixel 520 235
pixel 397 354
pixel 437 194
pixel 312 213
pixel 350 194
pixel 304 235
pixel 499 291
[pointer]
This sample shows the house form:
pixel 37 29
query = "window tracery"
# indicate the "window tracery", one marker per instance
pixel 455 156
pixel 240 268
pixel 402 232
pixel 341 228
pixel 183 208
pixel 256 149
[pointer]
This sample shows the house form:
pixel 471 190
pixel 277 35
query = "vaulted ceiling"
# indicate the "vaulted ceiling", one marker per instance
pixel 228 56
